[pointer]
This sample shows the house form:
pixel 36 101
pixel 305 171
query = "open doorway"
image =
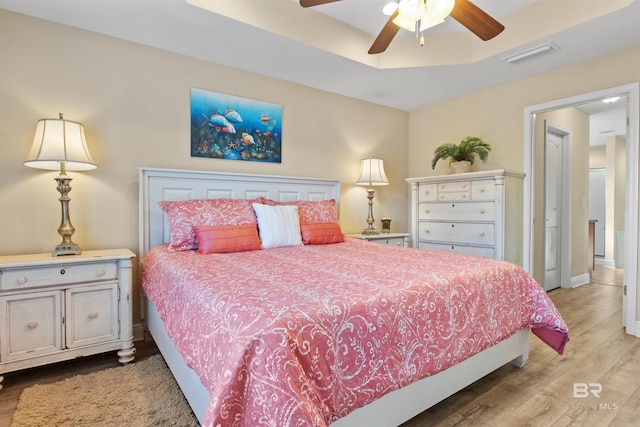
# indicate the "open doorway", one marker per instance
pixel 532 191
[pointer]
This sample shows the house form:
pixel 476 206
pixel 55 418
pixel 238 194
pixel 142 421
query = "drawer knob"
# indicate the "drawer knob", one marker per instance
pixel 32 325
pixel 464 185
pixel 62 271
pixel 94 315
pixel 426 210
pixel 23 280
pixel 452 225
pixel 464 196
pixel 482 233
pixel 453 205
pixel 482 189
pixel 482 210
pixel 426 192
pixel 101 272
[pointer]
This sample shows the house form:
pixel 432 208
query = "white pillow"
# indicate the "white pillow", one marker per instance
pixel 278 225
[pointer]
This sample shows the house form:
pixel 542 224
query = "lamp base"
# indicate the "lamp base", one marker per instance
pixel 72 249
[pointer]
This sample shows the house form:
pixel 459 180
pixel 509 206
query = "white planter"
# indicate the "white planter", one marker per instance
pixel 460 167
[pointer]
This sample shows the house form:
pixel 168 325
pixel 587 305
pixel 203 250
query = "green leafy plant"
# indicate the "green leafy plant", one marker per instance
pixel 466 150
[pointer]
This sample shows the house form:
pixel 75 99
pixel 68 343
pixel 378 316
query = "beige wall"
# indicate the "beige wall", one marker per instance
pixel 134 103
pixel 598 156
pixel 615 192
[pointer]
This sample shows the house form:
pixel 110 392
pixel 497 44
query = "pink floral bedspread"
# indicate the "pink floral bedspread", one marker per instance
pixel 305 335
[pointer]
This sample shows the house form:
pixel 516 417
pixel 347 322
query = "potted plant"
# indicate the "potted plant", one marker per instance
pixel 462 155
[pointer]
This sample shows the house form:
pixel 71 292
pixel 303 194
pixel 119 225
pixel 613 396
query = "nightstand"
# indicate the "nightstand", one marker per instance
pixel 395 239
pixel 60 308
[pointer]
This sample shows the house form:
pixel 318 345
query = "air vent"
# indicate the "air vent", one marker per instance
pixel 531 53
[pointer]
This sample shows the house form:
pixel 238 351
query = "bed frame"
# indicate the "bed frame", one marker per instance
pixel 390 410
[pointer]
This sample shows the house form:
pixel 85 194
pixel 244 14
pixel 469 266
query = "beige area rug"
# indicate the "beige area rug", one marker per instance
pixel 140 394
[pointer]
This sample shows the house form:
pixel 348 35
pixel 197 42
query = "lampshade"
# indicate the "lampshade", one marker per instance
pixel 372 173
pixel 59 141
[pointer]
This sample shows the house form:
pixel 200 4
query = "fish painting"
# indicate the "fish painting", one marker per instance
pixel 234 128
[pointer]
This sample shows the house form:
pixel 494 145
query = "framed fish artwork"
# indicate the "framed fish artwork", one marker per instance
pixel 234 128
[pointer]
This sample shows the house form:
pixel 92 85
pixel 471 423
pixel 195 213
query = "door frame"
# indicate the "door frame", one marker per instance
pixel 565 225
pixel 632 91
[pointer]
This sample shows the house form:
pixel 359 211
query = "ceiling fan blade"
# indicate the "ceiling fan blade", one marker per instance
pixel 476 20
pixel 385 37
pixel 311 3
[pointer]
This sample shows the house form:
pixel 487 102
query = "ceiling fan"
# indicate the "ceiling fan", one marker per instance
pixel 415 15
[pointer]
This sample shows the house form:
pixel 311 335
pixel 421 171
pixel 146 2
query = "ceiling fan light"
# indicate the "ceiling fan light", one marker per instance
pixel 411 10
pixel 437 10
pixel 428 22
pixel 402 22
pixel 390 8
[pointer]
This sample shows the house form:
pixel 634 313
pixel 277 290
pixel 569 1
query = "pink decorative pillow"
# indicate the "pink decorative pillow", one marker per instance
pixel 227 238
pixel 183 215
pixel 309 212
pixel 321 233
pixel 319 222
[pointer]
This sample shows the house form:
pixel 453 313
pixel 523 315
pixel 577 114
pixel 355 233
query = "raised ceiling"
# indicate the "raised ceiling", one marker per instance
pixel 325 47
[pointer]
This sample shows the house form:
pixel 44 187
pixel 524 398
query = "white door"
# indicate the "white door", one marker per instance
pixel 553 210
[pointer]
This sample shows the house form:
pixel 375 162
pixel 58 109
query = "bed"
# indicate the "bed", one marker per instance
pixel 349 333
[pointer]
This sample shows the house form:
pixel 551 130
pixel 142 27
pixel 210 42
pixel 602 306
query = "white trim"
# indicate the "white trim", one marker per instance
pixel 632 91
pixel 583 279
pixel 604 262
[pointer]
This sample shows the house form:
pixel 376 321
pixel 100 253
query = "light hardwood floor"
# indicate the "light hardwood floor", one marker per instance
pixel 540 393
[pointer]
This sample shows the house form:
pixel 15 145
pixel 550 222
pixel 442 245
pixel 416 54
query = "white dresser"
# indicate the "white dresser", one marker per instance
pixel 475 213
pixel 59 308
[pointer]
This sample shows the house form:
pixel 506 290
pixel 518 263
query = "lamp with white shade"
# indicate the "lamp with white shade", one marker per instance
pixel 371 174
pixel 60 144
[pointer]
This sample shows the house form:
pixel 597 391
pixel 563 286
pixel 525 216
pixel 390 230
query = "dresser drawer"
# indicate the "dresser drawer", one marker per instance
pixel 476 211
pixel 25 278
pixel 459 249
pixel 454 187
pixel 483 190
pixel 454 191
pixel 427 192
pixel 392 241
pixel 457 232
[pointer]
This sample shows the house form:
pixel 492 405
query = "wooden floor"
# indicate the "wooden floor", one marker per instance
pixel 540 393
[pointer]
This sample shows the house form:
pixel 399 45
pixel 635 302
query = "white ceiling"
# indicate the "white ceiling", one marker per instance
pixel 325 47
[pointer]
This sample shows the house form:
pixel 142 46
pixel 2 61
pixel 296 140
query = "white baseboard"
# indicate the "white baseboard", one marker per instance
pixel 583 279
pixel 609 263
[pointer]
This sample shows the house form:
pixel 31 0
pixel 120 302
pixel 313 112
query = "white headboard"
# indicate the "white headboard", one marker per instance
pixel 170 184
